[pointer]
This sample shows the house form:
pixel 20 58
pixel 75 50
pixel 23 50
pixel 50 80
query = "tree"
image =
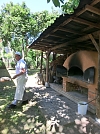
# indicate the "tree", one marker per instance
pixel 67 7
pixel 14 24
pixel 18 25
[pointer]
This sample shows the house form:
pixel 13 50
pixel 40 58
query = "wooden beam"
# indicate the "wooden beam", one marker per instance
pixel 94 42
pixel 80 12
pixel 98 88
pixel 68 30
pixel 86 28
pixel 45 42
pixel 82 21
pixel 89 8
pixel 58 36
pixel 62 24
pixel 47 65
pixel 41 61
pixel 92 9
pixel 66 21
pixel 84 9
pixel 48 40
pixel 83 38
pixel 95 2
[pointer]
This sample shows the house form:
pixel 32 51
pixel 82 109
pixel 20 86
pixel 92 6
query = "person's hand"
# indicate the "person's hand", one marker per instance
pixel 15 76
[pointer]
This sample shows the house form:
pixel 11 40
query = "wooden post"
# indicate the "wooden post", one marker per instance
pixel 54 56
pixel 47 69
pixel 50 72
pixel 97 46
pixel 41 62
pixel 98 90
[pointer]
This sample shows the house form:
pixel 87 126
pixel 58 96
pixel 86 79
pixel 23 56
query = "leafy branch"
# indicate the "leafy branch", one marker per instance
pixel 67 7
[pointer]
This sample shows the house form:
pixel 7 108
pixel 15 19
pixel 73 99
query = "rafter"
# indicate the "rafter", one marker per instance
pixel 82 21
pixel 95 2
pixel 68 30
pixel 69 42
pixel 93 9
pixel 94 42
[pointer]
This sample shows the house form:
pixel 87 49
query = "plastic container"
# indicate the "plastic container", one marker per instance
pixel 47 84
pixel 82 108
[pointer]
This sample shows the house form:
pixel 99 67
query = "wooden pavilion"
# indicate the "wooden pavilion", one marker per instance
pixel 69 34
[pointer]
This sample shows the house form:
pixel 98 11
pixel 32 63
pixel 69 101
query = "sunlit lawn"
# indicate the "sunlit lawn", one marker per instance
pixel 26 119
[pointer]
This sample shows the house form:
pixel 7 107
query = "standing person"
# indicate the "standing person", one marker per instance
pixel 21 76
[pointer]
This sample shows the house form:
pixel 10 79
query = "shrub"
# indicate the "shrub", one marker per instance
pixel 28 62
pixel 13 64
pixel 2 65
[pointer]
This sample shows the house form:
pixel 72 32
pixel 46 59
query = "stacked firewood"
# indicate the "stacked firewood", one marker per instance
pixel 59 61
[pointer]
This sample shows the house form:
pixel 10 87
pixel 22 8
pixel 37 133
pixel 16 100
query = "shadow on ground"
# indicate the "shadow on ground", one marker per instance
pixel 35 117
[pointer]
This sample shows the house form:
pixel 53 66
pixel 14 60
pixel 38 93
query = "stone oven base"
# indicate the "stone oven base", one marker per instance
pixel 74 96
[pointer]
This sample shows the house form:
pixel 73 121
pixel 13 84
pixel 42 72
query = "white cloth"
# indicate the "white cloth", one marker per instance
pixel 21 80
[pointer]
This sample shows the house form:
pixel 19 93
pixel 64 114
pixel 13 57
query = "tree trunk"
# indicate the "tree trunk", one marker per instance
pixel 23 49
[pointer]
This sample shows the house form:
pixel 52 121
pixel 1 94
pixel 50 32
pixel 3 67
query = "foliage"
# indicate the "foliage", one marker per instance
pixel 14 23
pixel 67 7
pixel 8 55
pixel 1 63
pixel 56 2
pixel 29 62
pixel 19 27
pixel 13 64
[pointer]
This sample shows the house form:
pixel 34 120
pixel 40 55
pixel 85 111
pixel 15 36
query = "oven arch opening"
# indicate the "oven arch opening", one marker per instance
pixel 75 72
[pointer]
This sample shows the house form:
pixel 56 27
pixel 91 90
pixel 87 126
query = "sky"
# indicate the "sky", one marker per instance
pixel 34 5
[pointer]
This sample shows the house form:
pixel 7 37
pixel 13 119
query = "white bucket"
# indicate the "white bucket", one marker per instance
pixel 82 107
pixel 47 84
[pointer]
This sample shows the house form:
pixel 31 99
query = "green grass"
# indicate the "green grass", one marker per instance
pixel 26 119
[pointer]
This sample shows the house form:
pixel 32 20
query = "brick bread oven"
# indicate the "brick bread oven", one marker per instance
pixel 82 68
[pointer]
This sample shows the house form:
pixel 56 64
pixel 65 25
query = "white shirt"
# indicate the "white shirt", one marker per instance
pixel 21 64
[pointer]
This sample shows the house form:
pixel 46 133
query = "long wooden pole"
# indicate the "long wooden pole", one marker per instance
pixel 98 90
pixel 47 69
pixel 41 62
